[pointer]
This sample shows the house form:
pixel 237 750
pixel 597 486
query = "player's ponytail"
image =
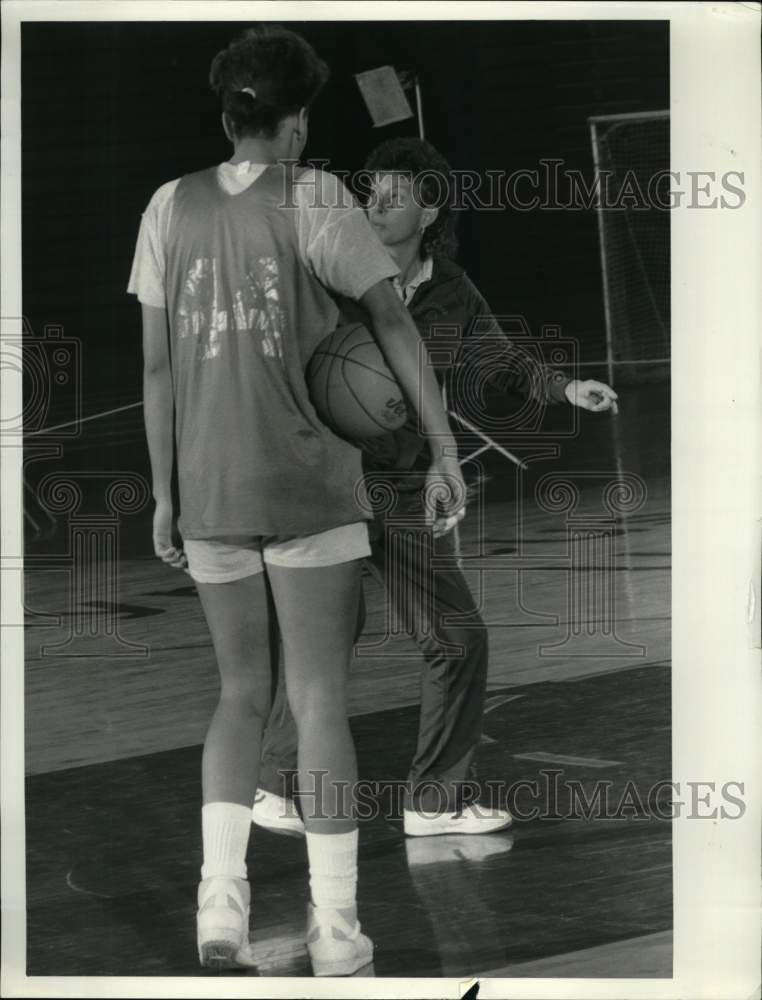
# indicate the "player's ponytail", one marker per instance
pixel 265 75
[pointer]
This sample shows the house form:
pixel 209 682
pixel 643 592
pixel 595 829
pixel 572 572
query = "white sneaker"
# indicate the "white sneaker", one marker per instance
pixel 473 819
pixel 222 923
pixel 335 944
pixel 276 814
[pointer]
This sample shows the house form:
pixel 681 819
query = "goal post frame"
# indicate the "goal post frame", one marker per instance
pixel 594 121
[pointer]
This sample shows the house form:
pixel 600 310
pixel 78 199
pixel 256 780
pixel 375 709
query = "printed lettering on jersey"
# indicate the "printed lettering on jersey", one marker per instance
pixel 205 312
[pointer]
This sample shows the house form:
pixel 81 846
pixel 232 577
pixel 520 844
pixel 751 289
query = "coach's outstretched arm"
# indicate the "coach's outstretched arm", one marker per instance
pixel 400 342
pixel 544 383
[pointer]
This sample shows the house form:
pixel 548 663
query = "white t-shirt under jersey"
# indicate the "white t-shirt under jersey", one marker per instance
pixel 336 241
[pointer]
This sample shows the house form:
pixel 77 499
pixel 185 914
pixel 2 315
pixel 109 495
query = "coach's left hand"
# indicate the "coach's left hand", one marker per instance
pixel 592 395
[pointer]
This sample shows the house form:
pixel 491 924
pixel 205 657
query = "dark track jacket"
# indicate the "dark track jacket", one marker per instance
pixel 467 349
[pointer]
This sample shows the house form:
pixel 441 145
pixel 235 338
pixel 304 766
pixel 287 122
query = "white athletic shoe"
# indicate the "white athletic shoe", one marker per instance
pixel 335 943
pixel 473 819
pixel 276 814
pixel 222 923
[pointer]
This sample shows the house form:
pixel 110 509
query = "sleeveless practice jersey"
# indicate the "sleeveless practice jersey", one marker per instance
pixel 245 315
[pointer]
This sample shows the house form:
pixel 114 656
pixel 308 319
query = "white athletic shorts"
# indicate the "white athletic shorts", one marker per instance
pixel 223 560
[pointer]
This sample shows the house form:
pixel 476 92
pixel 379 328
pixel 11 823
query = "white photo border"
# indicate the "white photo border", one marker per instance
pixel 716 420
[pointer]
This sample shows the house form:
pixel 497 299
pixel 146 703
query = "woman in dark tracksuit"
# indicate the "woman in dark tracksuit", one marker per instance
pixel 416 226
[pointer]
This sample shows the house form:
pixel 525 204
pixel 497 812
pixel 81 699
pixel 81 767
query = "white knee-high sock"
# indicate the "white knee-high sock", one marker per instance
pixel 225 827
pixel 333 869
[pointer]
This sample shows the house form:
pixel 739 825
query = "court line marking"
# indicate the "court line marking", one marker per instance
pixel 497 700
pixel 663 664
pixel 84 892
pixel 623 874
pixel 83 420
pixel 490 704
pixel 554 758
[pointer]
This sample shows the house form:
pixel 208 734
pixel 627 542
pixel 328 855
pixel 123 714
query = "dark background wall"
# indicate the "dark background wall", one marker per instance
pixel 112 110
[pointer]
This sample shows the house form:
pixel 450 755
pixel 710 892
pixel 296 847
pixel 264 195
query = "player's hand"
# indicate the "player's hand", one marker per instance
pixel 592 395
pixel 445 502
pixel 163 543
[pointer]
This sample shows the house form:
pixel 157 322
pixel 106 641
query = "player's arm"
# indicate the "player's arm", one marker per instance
pixel 400 342
pixel 347 257
pixel 158 400
pixel 158 412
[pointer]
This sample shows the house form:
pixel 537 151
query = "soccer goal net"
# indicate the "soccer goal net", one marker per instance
pixel 631 158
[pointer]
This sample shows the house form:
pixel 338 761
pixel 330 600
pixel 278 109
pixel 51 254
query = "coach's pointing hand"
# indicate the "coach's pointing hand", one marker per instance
pixel 592 395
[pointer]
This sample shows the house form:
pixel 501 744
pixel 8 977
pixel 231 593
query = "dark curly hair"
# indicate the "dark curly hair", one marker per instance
pixel 282 69
pixel 432 180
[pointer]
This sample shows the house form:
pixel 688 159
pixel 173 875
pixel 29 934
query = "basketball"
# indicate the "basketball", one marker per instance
pixel 351 386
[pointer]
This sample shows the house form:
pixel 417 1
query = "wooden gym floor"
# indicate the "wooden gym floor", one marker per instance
pixel 113 752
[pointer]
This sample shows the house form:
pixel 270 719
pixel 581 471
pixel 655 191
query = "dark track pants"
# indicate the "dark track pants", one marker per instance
pixel 454 675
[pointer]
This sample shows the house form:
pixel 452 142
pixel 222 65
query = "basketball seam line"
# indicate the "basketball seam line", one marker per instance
pixel 359 402
pixel 362 364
